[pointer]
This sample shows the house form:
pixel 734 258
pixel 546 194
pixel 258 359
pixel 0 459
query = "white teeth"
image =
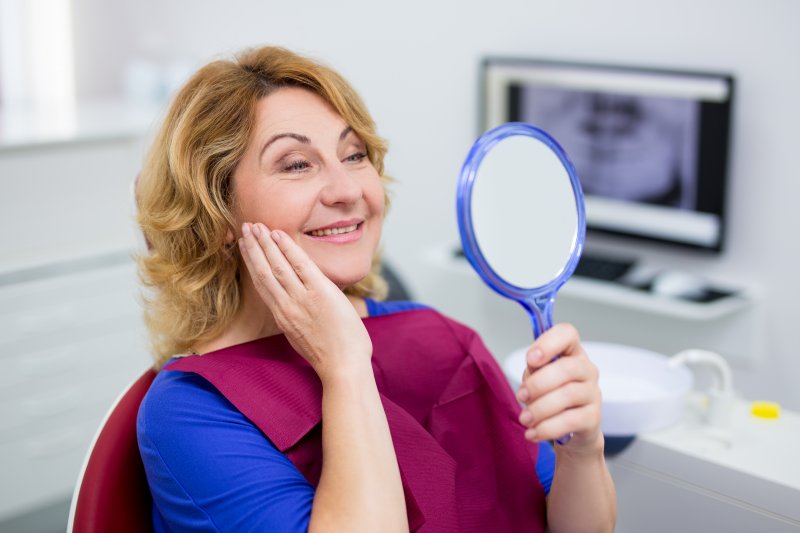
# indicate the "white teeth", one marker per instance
pixel 333 231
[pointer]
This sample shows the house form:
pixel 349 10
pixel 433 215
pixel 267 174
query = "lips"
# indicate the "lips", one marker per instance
pixel 337 228
pixel 339 232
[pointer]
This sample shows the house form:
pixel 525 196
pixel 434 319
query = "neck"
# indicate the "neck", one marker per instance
pixel 254 321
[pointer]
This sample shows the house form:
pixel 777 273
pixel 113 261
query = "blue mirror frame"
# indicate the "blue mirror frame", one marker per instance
pixel 537 301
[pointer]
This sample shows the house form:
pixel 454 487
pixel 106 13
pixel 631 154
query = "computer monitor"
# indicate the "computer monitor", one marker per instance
pixel 650 146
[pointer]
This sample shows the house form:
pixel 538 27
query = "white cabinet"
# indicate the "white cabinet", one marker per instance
pixel 69 343
pixel 71 331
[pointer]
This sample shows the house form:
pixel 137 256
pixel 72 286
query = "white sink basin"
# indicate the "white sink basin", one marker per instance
pixel 641 392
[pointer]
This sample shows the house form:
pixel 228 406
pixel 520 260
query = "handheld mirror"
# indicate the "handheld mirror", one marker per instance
pixel 521 217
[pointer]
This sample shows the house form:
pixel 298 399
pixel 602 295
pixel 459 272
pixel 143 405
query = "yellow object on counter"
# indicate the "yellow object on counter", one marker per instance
pixel 765 410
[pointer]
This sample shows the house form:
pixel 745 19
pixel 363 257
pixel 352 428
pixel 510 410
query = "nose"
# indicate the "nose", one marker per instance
pixel 341 187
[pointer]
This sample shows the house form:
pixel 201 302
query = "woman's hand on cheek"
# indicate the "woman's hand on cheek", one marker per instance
pixel 317 318
pixel 562 396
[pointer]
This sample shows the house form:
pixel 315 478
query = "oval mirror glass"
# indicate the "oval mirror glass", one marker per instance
pixel 524 213
pixel 521 216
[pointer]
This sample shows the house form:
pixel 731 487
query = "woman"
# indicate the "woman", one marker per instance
pixel 291 399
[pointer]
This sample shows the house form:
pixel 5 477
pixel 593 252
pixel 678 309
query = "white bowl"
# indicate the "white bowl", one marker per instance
pixel 641 392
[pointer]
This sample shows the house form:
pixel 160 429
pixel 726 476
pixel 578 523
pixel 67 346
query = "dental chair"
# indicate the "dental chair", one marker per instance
pixel 112 492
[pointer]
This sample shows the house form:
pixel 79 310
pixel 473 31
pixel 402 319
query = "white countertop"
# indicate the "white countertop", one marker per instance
pixel 743 476
pixel 762 448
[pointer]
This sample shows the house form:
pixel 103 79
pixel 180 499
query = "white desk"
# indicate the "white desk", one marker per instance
pixel 692 477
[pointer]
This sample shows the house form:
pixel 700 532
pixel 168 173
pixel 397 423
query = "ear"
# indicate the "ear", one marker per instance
pixel 229 236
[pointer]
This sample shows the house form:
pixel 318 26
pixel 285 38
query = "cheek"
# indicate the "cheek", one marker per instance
pixel 375 195
pixel 244 199
pixel 276 207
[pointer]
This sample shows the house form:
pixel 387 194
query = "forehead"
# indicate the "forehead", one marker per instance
pixel 296 110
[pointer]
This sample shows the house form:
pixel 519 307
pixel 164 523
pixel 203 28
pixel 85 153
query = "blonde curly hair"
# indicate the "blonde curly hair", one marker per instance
pixel 184 192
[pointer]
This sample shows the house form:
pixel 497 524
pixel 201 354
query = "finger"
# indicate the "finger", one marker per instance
pixel 577 420
pixel 560 340
pixel 307 271
pixel 536 358
pixel 282 271
pixel 522 392
pixel 557 374
pixel 570 396
pixel 258 267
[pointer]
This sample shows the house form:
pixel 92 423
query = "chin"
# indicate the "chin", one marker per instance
pixel 344 279
pixel 345 282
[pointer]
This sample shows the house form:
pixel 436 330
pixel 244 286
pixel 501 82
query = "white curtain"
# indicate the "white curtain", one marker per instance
pixel 36 56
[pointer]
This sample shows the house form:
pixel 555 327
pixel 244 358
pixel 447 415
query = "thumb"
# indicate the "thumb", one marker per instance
pixel 535 359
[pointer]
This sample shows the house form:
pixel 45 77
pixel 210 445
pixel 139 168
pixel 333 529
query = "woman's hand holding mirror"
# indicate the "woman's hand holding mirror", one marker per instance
pixel 560 397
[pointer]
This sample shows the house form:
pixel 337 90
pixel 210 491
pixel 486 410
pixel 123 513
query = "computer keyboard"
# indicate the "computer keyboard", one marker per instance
pixel 602 268
pixel 592 266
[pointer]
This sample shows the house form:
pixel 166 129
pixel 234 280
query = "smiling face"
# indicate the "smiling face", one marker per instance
pixel 307 173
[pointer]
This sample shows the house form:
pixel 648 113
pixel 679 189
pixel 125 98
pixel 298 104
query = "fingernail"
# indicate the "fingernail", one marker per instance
pixel 276 236
pixel 531 434
pixel 245 229
pixel 523 394
pixel 535 356
pixel 257 230
pixel 525 418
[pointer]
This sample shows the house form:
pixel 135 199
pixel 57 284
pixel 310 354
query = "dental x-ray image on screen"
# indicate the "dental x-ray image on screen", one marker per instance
pixel 629 147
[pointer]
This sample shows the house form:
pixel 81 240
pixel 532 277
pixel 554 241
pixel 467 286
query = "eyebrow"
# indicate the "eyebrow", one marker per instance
pixel 300 138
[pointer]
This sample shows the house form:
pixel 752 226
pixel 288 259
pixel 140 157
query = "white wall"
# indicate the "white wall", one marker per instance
pixel 416 64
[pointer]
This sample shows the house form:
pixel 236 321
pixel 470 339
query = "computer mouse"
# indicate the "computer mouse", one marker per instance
pixel 677 284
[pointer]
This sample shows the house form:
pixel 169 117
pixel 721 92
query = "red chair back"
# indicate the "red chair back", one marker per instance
pixel 112 492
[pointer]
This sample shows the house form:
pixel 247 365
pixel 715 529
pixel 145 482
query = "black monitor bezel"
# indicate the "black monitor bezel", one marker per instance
pixel 714 149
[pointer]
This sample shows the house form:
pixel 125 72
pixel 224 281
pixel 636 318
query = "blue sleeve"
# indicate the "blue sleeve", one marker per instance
pixel 209 468
pixel 546 465
pixel 376 308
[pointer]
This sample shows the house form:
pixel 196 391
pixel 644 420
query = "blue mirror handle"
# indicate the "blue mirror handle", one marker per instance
pixel 540 310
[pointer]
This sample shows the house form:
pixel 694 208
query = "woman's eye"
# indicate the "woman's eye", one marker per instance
pixel 296 166
pixel 356 157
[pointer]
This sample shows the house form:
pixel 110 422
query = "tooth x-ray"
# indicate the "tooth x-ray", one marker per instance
pixel 624 146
